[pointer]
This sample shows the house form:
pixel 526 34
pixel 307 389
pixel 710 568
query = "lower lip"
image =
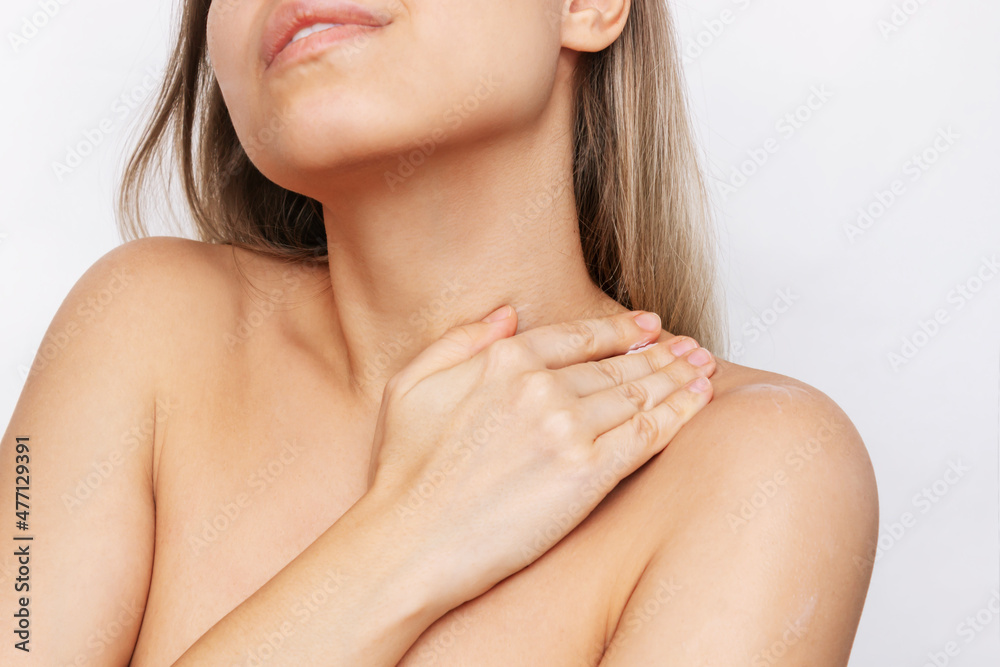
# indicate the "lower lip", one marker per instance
pixel 317 42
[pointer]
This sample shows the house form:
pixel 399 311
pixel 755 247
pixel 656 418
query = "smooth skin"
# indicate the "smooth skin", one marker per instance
pixel 657 573
pixel 240 436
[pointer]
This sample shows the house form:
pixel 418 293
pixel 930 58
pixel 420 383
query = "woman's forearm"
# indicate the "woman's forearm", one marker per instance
pixel 360 594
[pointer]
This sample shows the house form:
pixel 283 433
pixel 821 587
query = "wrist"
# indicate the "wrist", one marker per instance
pixel 416 581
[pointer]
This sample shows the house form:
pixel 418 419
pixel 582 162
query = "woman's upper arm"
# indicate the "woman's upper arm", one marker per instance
pixel 85 422
pixel 766 540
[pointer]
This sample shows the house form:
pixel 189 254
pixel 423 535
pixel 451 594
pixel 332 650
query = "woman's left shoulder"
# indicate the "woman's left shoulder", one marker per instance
pixel 777 412
pixel 758 523
pixel 769 444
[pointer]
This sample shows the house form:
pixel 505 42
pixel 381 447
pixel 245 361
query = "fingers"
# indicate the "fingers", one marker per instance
pixel 567 343
pixel 626 447
pixel 606 409
pixel 593 376
pixel 456 345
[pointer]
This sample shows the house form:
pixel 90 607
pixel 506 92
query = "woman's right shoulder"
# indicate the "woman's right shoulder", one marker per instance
pixel 196 300
pixel 165 295
pixel 169 277
pixel 165 265
pixel 88 427
pixel 161 272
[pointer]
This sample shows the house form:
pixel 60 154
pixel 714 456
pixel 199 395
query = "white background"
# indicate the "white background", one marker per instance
pixel 806 298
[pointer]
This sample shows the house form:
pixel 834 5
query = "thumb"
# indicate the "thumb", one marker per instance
pixel 459 344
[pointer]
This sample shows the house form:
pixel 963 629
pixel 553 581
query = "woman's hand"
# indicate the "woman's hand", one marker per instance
pixel 491 447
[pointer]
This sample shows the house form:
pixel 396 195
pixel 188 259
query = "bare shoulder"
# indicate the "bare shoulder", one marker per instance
pixel 195 296
pixel 116 304
pixel 171 270
pixel 161 270
pixel 760 420
pixel 764 510
pixel 91 403
pixel 769 444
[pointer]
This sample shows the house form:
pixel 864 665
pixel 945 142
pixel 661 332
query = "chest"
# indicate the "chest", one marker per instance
pixel 249 477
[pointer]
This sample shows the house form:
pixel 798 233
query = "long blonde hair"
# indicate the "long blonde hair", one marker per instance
pixel 645 223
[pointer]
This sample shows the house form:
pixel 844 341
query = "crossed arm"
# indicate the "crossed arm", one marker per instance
pixel 767 536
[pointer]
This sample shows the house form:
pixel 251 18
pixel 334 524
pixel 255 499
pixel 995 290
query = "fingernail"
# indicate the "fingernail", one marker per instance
pixel 648 321
pixel 699 357
pixel 683 346
pixel 700 385
pixel 501 313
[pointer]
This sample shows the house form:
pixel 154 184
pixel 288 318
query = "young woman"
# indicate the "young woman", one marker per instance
pixel 399 404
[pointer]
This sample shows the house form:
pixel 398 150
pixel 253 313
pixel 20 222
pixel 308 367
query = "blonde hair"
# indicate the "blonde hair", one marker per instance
pixel 645 223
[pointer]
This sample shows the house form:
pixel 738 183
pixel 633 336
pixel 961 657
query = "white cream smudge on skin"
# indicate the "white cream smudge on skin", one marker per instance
pixel 640 349
pixel 806 615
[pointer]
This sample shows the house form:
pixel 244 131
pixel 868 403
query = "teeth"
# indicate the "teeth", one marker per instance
pixel 316 27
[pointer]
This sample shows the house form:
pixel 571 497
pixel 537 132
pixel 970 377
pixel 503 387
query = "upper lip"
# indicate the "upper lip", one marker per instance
pixel 290 17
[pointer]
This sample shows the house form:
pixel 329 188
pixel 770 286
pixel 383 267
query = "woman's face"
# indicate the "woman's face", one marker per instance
pixel 438 73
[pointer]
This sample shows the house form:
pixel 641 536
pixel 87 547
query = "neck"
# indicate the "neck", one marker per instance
pixel 446 242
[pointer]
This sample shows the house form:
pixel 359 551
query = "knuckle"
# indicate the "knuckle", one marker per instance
pixel 636 394
pixel 538 386
pixel 618 328
pixel 507 354
pixel 658 356
pixel 583 337
pixel 560 426
pixel 459 334
pixel 653 361
pixel 611 371
pixel 677 374
pixel 675 411
pixel 580 461
pixel 647 428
